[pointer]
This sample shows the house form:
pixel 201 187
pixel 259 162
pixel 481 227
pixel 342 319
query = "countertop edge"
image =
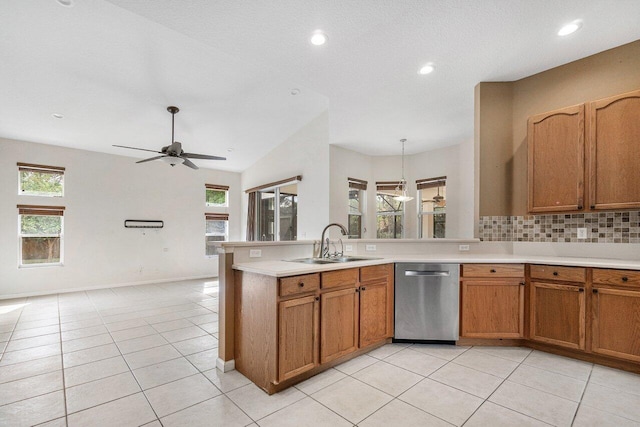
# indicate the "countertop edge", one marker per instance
pixel 282 268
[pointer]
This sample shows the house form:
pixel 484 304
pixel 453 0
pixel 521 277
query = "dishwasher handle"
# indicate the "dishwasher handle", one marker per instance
pixel 427 273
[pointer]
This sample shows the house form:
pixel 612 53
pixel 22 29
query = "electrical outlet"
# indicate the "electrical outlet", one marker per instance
pixel 371 248
pixel 463 248
pixel 255 253
pixel 582 233
pixel 165 249
pixel 348 248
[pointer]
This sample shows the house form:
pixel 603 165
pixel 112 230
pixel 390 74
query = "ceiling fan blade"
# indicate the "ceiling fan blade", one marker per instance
pixel 152 158
pixel 189 163
pixel 201 156
pixel 135 148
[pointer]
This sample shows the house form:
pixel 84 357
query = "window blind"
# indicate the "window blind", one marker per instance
pixel 431 182
pixel 41 210
pixel 216 187
pixel 216 216
pixel 30 167
pixel 387 185
pixel 358 184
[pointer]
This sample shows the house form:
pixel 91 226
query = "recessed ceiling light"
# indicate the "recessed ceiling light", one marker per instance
pixel 295 91
pixel 229 150
pixel 570 28
pixel 427 69
pixel 57 116
pixel 318 38
pixel 65 3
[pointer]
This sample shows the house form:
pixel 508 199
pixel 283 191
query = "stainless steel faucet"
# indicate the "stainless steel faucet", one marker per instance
pixel 343 230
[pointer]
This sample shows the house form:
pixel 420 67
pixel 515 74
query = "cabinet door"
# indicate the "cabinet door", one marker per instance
pixel 614 152
pixel 374 312
pixel 555 143
pixel 616 323
pixel 492 309
pixel 298 339
pixel 339 323
pixel 558 314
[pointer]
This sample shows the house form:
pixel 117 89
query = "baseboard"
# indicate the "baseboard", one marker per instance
pixel 105 286
pixel 225 365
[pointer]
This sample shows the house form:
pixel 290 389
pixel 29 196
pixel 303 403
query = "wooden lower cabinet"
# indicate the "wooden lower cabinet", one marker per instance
pixel 558 314
pixel 616 323
pixel 492 309
pixel 339 323
pixel 298 338
pixel 376 304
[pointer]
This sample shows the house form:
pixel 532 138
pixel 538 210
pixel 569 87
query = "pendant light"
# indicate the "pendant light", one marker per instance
pixel 402 185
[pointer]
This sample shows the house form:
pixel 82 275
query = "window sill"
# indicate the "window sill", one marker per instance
pixel 57 264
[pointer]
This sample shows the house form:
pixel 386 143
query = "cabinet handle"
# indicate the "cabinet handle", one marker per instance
pixel 492 270
pixel 301 284
pixel 357 289
pixel 625 279
pixel 555 273
pixel 362 288
pixel 595 291
pixel 593 206
pixel 522 283
pixel 317 298
pixel 580 207
pixel 580 289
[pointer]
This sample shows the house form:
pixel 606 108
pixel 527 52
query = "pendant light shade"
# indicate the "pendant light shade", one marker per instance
pixel 402 185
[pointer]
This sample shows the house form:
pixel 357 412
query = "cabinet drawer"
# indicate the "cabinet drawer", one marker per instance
pixel 340 278
pixel 603 276
pixel 299 284
pixel 554 272
pixel 375 272
pixel 493 270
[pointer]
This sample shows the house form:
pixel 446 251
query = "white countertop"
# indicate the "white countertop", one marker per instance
pixel 278 268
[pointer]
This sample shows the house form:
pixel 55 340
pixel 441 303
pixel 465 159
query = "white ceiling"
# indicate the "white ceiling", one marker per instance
pixel 112 67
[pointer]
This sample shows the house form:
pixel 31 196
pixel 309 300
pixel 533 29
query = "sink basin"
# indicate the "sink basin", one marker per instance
pixel 351 258
pixel 330 260
pixel 312 261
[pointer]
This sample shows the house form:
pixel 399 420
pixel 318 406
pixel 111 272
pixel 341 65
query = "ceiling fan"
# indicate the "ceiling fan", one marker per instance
pixel 173 154
pixel 437 200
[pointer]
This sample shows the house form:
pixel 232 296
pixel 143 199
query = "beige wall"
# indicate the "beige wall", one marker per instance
pixel 503 159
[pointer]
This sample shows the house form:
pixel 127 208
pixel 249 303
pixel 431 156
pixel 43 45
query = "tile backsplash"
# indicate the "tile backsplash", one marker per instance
pixel 602 227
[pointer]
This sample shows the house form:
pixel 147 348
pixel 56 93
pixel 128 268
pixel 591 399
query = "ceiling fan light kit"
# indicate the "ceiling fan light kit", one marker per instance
pixel 173 154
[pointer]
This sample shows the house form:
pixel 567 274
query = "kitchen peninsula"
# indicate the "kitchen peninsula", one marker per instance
pixel 511 294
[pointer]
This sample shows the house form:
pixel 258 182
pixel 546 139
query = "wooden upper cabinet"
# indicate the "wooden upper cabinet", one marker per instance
pixel 556 160
pixel 614 152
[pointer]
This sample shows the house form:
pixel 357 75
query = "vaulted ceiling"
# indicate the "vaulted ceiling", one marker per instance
pixel 112 67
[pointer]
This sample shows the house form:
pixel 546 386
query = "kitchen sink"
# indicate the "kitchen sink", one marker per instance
pixel 330 260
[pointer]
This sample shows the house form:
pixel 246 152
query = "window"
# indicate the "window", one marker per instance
pixel 357 191
pixel 40 230
pixel 216 195
pixel 432 207
pixel 39 180
pixel 389 212
pixel 216 230
pixel 278 213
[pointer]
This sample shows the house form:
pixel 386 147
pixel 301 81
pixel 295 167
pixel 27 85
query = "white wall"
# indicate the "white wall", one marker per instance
pixel 101 191
pixel 455 162
pixel 305 153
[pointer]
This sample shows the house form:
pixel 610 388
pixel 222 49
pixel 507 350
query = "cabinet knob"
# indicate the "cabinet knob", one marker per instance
pixel 625 279
pixel 595 291
pixel 580 207
pixel 580 289
pixel 493 270
pixel 317 298
pixel 522 283
pixel 357 289
pixel 593 206
pixel 362 288
pixel 301 284
pixel 555 273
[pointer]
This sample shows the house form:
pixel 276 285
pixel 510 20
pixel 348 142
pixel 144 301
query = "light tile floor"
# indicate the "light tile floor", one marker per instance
pixel 145 355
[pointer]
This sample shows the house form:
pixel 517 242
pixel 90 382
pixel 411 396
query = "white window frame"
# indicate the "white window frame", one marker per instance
pixel 219 188
pixel 41 264
pixel 421 213
pixel 401 213
pixel 362 197
pixel 225 235
pixel 276 210
pixel 22 167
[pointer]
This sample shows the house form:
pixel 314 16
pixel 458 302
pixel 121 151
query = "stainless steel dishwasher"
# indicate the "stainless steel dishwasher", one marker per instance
pixel 427 302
